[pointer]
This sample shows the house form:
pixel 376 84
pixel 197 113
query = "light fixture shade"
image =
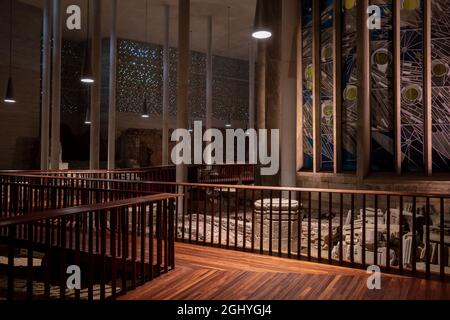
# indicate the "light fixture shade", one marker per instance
pixel 87 75
pixel 228 124
pixel 145 109
pixel 9 97
pixel 88 116
pixel 261 28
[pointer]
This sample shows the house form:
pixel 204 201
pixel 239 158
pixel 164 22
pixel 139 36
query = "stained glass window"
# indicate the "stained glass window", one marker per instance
pixel 382 101
pixel 349 85
pixel 412 110
pixel 326 85
pixel 308 142
pixel 441 84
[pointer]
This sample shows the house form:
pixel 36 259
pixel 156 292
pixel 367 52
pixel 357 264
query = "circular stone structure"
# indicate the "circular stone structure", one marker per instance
pixel 275 215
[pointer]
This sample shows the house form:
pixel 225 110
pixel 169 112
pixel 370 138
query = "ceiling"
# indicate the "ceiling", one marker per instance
pixel 131 22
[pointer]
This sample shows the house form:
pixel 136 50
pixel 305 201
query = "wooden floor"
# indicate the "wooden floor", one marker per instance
pixel 204 273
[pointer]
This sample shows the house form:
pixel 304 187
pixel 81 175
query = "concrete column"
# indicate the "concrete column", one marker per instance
pixel 317 147
pixel 209 72
pixel 299 89
pixel 183 74
pixel 273 79
pixel 363 125
pixel 94 155
pixel 428 93
pixel 397 87
pixel 288 92
pixel 112 88
pixel 209 76
pixel 337 86
pixel 273 65
pixel 56 86
pixel 46 85
pixel 261 90
pixel 166 79
pixel 251 82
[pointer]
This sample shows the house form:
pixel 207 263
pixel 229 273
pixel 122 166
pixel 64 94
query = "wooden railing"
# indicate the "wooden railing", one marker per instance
pixel 117 246
pixel 26 194
pixel 216 174
pixel 231 174
pixel 401 232
pixel 158 173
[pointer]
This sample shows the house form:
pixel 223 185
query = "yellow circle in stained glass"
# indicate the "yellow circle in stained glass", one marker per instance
pixel 349 4
pixel 410 4
pixel 351 93
pixel 309 72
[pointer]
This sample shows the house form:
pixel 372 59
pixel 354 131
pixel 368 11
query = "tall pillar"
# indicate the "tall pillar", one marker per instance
pixel 299 39
pixel 288 92
pixel 363 110
pixel 397 87
pixel 46 85
pixel 112 88
pixel 273 80
pixel 183 74
pixel 251 82
pixel 166 80
pixel 209 77
pixel 56 86
pixel 261 90
pixel 94 154
pixel 273 64
pixel 317 145
pixel 337 86
pixel 428 94
pixel 209 73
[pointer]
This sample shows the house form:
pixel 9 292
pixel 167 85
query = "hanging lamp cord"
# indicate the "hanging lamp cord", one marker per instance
pixel 88 18
pixel 10 35
pixel 229 28
pixel 146 21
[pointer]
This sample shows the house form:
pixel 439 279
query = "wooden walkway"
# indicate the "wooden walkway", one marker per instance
pixel 204 273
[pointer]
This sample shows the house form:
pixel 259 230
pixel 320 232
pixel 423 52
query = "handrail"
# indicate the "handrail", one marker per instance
pixel 245 187
pixel 59 213
pixel 128 170
pixel 118 245
pixel 351 227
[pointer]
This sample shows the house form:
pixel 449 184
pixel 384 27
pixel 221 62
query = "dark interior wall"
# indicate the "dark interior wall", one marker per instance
pixel 137 71
pixel 20 122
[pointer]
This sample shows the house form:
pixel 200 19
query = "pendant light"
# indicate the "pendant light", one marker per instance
pixel 9 97
pixel 228 124
pixel 145 109
pixel 87 120
pixel 87 75
pixel 145 113
pixel 261 29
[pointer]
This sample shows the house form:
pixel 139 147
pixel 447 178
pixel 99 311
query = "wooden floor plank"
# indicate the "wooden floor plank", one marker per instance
pixel 205 273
